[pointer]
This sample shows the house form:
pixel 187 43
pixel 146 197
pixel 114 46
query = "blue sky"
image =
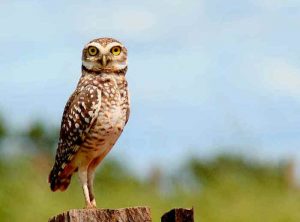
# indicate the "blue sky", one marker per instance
pixel 205 76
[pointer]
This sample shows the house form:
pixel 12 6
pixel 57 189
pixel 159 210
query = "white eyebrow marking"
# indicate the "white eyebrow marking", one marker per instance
pixel 112 44
pixel 96 44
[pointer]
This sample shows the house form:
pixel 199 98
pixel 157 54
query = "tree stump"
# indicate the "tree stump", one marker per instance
pixel 179 215
pixel 134 214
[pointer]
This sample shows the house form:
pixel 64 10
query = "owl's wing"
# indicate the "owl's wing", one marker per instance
pixel 79 115
pixel 127 115
pixel 128 107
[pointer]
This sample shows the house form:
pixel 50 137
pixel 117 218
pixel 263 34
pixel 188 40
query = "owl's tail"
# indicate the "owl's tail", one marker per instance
pixel 59 180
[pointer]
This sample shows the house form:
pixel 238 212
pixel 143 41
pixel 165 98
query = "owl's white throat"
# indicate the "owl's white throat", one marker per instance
pixel 88 65
pixel 96 67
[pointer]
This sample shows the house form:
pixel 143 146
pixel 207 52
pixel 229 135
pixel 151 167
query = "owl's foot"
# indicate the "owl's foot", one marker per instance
pixel 90 206
pixel 93 202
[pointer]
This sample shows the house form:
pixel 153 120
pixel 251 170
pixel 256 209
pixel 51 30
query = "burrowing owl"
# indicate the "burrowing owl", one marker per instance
pixel 94 116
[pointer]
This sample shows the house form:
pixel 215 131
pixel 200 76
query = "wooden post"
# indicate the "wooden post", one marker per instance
pixel 179 215
pixel 134 214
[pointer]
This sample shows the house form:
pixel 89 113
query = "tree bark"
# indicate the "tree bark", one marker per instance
pixel 134 214
pixel 179 215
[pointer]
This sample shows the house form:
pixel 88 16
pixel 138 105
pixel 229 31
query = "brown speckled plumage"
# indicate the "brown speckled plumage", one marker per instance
pixel 93 119
pixel 105 41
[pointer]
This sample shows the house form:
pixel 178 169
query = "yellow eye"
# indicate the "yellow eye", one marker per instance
pixel 92 50
pixel 116 50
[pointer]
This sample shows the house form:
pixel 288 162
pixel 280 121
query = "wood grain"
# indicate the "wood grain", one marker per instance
pixel 133 214
pixel 179 215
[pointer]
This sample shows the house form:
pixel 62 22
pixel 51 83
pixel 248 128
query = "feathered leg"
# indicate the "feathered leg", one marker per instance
pixel 90 176
pixel 91 173
pixel 82 173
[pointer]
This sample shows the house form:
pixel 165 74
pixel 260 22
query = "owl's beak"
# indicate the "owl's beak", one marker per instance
pixel 104 60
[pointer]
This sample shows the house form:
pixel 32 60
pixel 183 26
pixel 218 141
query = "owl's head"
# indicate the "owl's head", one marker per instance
pixel 104 55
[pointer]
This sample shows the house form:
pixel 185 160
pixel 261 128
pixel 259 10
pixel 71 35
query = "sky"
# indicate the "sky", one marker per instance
pixel 205 76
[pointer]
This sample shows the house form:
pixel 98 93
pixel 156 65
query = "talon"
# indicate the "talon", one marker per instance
pixel 90 206
pixel 93 202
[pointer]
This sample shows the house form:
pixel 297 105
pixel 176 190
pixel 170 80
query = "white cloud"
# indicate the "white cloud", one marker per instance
pixel 134 20
pixel 274 5
pixel 28 21
pixel 95 20
pixel 138 22
pixel 279 76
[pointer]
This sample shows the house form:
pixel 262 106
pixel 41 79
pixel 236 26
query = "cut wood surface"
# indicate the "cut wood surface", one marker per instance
pixel 133 214
pixel 179 215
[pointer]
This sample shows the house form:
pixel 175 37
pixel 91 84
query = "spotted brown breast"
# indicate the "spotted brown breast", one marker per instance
pixel 93 119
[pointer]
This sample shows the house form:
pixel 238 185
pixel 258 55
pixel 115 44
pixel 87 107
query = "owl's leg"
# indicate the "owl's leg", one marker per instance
pixel 82 173
pixel 91 174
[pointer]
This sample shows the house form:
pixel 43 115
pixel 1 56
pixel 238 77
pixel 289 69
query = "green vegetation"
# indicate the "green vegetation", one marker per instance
pixel 226 188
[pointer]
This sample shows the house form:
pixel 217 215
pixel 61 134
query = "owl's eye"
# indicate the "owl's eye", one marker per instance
pixel 116 50
pixel 92 50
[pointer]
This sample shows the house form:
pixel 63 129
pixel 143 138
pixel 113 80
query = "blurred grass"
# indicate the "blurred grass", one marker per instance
pixel 25 194
pixel 225 188
pixel 233 195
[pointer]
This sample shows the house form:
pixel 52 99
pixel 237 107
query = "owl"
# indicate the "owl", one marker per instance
pixel 94 116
